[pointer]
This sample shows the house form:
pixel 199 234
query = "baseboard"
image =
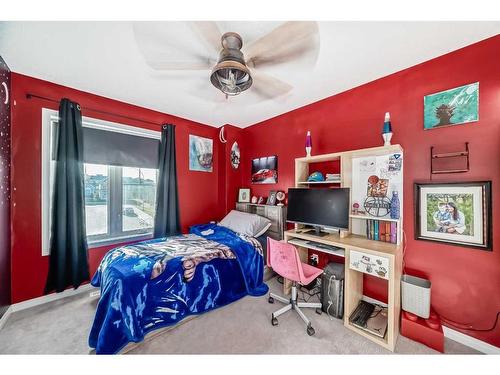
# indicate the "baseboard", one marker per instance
pixel 5 316
pixel 470 341
pixel 86 288
pixel 457 336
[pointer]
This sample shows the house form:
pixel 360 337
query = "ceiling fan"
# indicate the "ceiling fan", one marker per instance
pixel 237 66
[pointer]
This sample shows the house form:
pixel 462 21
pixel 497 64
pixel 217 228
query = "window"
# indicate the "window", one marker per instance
pixel 119 200
pixel 139 198
pixel 96 199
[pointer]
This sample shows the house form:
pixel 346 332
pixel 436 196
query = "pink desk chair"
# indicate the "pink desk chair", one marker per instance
pixel 284 259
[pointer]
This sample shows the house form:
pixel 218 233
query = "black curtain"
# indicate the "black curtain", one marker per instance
pixel 167 221
pixel 69 264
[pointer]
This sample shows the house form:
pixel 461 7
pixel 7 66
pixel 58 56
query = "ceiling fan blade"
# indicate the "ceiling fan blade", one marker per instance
pixel 268 86
pixel 180 65
pixel 210 33
pixel 293 52
pixel 288 41
pixel 154 40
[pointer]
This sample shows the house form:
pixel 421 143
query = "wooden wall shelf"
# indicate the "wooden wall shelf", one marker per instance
pixel 451 161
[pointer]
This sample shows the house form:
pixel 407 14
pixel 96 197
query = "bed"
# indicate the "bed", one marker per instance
pixel 157 283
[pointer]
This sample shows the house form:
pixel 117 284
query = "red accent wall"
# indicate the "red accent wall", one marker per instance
pixel 198 191
pixel 231 178
pixel 465 282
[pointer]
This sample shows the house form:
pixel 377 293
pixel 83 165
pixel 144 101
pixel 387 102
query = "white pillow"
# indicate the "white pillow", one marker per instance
pixel 245 223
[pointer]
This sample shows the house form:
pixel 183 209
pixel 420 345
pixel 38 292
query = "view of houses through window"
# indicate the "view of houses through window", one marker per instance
pixel 139 198
pixel 119 201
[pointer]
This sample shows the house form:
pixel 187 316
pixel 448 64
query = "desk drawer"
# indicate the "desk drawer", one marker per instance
pixel 370 264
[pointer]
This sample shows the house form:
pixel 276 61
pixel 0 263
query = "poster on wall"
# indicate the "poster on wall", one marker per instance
pixel 452 107
pixel 200 154
pixel 265 170
pixel 377 182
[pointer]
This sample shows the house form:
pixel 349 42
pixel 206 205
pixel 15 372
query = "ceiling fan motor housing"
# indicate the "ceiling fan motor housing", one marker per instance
pixel 231 75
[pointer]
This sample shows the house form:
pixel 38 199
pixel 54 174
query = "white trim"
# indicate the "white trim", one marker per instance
pixel 86 288
pixel 459 337
pixel 470 341
pixel 89 122
pixel 5 316
pixel 49 117
pixel 93 123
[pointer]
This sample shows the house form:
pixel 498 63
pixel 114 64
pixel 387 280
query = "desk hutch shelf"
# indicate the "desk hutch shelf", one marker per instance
pixel 355 243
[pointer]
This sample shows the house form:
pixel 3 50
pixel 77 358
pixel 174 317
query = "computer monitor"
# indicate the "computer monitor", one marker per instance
pixel 326 208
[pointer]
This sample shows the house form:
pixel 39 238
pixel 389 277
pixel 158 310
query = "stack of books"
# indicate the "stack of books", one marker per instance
pixel 380 230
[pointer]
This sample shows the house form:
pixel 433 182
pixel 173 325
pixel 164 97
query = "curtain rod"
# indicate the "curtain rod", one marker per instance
pixel 31 96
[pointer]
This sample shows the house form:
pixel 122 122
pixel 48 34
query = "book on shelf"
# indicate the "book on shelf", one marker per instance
pixel 381 230
pixel 394 233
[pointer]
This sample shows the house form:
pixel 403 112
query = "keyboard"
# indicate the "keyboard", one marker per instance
pixel 323 246
pixel 362 313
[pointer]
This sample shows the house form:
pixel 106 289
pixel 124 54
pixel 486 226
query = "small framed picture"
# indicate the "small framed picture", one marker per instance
pixel 271 199
pixel 455 213
pixel 244 196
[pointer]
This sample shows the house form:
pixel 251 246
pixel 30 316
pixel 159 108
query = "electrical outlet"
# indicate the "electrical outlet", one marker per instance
pixel 315 258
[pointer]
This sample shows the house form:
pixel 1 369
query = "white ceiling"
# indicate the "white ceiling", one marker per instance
pixel 103 58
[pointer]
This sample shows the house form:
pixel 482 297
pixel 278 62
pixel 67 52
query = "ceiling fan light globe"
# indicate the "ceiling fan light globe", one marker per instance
pixel 231 77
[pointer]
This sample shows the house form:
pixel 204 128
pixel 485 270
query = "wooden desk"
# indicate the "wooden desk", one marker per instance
pixel 390 258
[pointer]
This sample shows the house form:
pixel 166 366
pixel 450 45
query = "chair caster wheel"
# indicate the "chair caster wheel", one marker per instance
pixel 310 331
pixel 274 321
pixel 270 300
pixel 319 311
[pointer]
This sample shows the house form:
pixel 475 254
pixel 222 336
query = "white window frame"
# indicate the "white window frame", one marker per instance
pixel 50 118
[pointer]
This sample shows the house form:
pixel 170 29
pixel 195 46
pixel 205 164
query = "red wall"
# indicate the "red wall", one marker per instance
pixel 198 191
pixel 231 178
pixel 465 282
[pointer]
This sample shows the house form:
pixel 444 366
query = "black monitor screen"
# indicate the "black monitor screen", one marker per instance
pixel 321 207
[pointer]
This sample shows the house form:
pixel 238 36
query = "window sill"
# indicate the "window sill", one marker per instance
pixel 118 240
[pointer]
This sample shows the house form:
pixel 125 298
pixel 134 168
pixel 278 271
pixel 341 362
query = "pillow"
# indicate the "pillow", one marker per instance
pixel 244 223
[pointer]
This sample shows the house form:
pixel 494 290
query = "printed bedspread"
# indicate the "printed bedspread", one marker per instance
pixel 157 283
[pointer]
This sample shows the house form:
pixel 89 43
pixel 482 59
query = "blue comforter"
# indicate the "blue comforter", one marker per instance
pixel 157 283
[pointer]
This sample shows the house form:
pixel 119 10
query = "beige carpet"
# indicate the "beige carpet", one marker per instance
pixel 244 327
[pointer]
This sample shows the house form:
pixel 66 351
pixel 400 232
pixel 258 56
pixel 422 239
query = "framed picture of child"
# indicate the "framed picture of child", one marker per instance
pixel 456 213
